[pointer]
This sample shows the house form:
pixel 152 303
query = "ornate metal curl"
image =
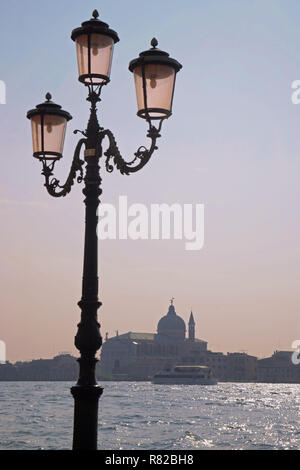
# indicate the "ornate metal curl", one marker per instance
pixel 53 184
pixel 142 154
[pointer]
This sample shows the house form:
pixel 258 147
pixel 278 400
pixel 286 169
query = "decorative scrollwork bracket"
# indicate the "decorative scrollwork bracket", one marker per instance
pixel 142 155
pixel 53 185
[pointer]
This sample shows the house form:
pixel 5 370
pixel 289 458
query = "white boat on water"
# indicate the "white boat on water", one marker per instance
pixel 185 375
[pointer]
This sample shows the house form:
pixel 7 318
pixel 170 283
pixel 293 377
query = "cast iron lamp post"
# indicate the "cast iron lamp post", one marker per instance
pixel 154 74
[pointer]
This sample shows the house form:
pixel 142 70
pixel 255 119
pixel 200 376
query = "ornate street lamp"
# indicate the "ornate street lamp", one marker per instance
pixel 48 124
pixel 154 73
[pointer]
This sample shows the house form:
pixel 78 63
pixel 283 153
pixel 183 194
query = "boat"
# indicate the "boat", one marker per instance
pixel 185 375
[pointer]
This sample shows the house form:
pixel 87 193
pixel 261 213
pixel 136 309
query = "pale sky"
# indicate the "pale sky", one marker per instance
pixel 232 144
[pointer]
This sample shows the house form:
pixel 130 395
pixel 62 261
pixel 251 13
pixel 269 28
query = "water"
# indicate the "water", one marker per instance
pixel 139 415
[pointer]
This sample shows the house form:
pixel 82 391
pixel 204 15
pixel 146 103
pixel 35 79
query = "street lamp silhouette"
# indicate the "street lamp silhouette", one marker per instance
pixel 154 75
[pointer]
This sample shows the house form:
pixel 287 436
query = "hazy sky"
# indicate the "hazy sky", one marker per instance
pixel 231 144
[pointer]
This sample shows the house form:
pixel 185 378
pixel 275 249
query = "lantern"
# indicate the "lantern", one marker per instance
pixel 154 75
pixel 94 45
pixel 48 125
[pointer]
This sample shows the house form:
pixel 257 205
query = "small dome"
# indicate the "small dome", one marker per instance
pixel 171 325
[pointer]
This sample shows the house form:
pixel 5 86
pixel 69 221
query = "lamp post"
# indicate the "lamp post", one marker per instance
pixel 154 74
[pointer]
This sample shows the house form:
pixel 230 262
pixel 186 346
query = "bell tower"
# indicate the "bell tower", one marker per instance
pixel 191 328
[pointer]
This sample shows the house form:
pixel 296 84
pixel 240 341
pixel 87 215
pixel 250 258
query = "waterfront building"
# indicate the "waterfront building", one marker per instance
pixel 138 356
pixel 279 368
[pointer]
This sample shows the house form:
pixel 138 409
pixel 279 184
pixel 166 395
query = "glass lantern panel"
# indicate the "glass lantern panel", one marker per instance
pixel 101 52
pixel 54 133
pixel 159 88
pixel 36 130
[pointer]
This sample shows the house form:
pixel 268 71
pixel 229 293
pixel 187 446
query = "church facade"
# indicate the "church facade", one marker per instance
pixel 138 356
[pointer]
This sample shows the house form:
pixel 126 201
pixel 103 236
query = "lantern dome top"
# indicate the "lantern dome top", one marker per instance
pixel 94 26
pixel 49 107
pixel 154 56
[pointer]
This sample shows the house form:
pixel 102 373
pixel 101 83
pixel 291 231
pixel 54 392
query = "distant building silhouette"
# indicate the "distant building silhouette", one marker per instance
pixel 138 356
pixel 62 367
pixel 278 368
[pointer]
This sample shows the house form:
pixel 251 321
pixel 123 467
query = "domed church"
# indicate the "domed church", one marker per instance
pixel 171 325
pixel 138 356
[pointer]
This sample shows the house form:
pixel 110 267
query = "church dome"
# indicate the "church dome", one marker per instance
pixel 171 325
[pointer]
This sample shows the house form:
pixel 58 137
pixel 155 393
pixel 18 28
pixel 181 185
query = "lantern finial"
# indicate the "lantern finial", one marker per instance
pixel 48 96
pixel 154 43
pixel 95 14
